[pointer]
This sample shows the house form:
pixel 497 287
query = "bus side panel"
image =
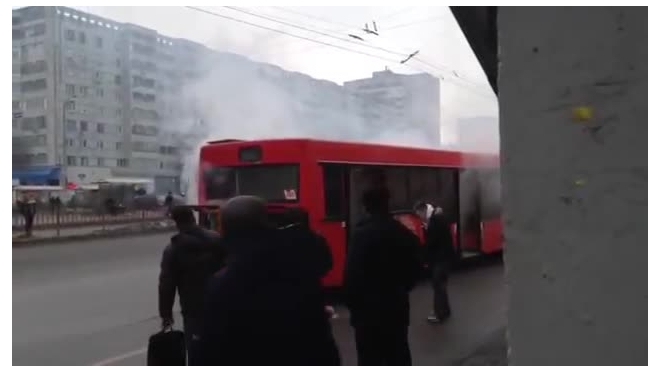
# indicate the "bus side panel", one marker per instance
pixel 492 236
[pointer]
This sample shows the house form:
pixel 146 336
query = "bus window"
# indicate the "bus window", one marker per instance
pixel 360 179
pixel 333 185
pixel 273 183
pixel 448 198
pixel 397 183
pixel 424 185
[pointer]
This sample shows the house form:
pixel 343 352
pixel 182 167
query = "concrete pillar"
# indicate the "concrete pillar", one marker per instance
pixel 575 188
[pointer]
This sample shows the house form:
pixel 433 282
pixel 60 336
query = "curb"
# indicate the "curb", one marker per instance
pixel 120 233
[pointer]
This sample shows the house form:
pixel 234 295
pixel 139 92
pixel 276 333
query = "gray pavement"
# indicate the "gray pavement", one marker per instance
pixel 95 302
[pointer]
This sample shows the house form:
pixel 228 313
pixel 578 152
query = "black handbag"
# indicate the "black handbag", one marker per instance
pixel 167 348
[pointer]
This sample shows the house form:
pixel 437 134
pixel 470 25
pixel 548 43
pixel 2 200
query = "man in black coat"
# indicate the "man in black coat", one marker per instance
pixel 192 257
pixel 441 255
pixel 265 308
pixel 381 269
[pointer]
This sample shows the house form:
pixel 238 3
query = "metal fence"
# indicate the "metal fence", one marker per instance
pixel 56 218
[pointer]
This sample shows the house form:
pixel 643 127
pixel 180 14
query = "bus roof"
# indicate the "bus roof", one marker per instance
pixel 363 153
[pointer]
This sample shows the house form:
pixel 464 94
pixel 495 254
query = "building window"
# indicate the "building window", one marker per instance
pixel 117 80
pixel 17 34
pixel 70 90
pixel 84 143
pixel 122 162
pixel 118 112
pixel 83 125
pixel 33 123
pixel 70 105
pixel 15 105
pixel 100 127
pixel 70 35
pixel 34 85
pixel 84 161
pixel 99 42
pixel 119 146
pixel 36 30
pixel 100 161
pixel 29 68
pixel 81 37
pixel 69 142
pixel 99 92
pixel 71 161
pixel 118 96
pixel 118 62
pixel 84 90
pixel 71 125
pixel 35 104
pixel 100 144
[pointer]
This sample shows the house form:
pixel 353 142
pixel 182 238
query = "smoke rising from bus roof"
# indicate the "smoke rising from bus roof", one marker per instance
pixel 239 99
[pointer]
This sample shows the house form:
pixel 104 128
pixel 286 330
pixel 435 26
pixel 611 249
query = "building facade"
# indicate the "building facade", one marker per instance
pixel 89 97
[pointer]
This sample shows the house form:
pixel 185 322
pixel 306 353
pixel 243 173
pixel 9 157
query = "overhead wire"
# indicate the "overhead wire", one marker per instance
pixel 400 54
pixel 437 67
pixel 320 42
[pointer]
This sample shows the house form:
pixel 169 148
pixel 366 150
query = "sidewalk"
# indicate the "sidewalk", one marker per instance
pixel 492 353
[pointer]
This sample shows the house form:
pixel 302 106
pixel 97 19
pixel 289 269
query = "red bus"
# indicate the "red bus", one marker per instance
pixel 327 178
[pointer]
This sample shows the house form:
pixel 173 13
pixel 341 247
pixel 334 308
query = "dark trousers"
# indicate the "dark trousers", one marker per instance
pixel 191 329
pixel 382 345
pixel 29 221
pixel 441 307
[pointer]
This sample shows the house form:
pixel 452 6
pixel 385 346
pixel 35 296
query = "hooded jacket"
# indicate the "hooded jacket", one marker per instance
pixel 265 307
pixel 381 268
pixel 190 259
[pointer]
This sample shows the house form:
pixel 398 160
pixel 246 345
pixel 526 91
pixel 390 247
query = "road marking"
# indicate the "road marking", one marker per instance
pixel 121 357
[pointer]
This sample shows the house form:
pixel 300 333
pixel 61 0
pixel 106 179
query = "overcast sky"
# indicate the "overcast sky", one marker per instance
pixel 431 30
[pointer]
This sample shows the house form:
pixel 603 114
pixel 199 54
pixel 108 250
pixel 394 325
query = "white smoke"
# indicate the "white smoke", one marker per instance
pixel 240 99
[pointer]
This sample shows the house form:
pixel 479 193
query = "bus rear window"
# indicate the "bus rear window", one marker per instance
pixel 273 183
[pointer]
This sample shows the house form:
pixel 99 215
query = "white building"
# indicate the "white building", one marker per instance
pixel 394 102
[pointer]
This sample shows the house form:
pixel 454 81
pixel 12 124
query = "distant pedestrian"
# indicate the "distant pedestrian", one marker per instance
pixel 169 202
pixel 441 255
pixel 381 269
pixel 27 206
pixel 264 308
pixel 192 257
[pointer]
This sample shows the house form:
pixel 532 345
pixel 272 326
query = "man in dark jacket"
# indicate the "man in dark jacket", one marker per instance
pixel 190 259
pixel 441 255
pixel 381 269
pixel 264 308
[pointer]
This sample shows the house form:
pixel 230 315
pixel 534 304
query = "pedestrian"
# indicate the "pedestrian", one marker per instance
pixel 27 206
pixel 312 251
pixel 263 309
pixel 169 201
pixel 382 267
pixel 189 260
pixel 441 255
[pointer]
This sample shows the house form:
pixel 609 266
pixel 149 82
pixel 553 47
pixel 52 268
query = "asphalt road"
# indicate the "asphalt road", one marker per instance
pixel 95 302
